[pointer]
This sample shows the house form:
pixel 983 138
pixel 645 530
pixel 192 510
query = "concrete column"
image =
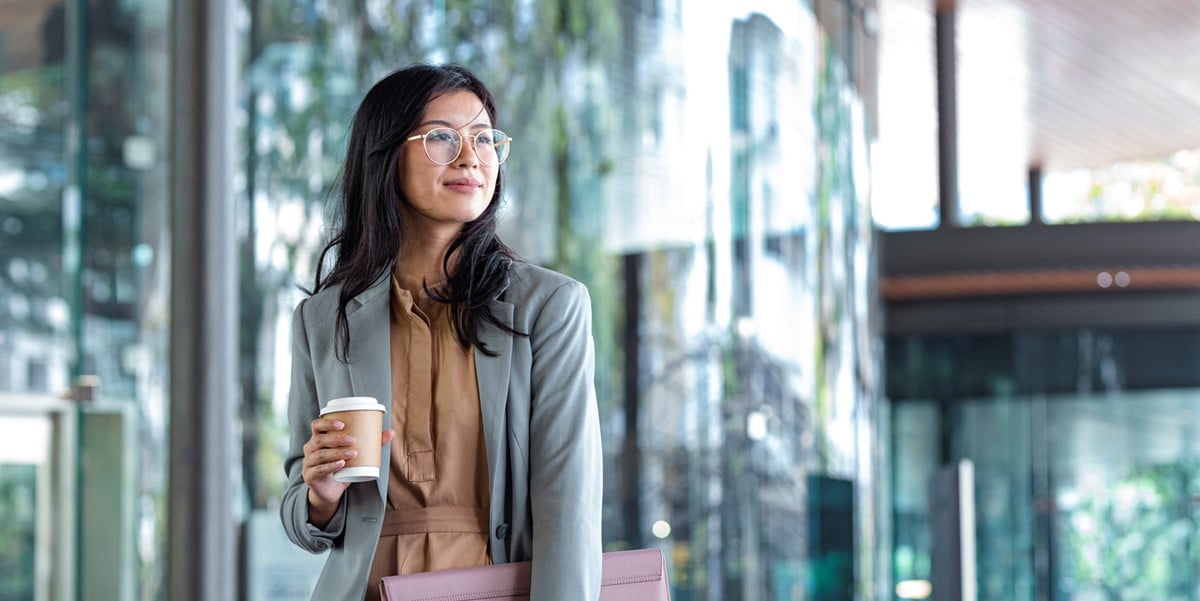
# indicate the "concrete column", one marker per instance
pixel 201 533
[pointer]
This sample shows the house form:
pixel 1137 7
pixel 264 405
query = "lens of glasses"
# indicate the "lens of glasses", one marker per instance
pixel 442 146
pixel 492 146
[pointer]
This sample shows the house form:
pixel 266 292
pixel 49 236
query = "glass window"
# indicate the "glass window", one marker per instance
pixel 915 435
pixel 718 216
pixel 35 317
pixel 1084 452
pixel 84 283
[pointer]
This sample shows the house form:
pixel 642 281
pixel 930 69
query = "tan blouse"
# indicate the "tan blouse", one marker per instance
pixel 437 502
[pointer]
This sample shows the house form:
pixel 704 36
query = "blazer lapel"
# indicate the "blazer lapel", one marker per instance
pixel 491 373
pixel 370 353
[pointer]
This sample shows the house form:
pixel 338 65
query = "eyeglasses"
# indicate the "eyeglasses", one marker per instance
pixel 443 145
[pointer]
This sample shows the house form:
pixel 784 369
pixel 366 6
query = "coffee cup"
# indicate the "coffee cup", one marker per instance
pixel 363 416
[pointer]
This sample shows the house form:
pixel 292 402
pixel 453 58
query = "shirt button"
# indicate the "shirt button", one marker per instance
pixel 502 531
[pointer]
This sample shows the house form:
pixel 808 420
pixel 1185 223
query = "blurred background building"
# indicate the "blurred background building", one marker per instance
pixel 833 247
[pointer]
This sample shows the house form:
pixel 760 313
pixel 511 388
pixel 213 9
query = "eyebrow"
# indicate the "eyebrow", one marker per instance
pixel 451 125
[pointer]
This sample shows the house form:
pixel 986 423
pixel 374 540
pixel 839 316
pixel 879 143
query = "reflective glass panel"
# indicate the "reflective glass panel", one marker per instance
pixel 1085 457
pixel 83 278
pixel 703 171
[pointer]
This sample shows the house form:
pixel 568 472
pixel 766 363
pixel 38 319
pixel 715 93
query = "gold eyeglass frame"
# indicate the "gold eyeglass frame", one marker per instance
pixel 461 138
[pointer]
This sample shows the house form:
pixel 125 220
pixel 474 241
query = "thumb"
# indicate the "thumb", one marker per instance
pixel 387 437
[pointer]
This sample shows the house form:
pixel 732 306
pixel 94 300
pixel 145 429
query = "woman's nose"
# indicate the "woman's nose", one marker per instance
pixel 466 153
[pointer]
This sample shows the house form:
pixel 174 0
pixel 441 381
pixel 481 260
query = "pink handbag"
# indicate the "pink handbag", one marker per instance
pixel 626 576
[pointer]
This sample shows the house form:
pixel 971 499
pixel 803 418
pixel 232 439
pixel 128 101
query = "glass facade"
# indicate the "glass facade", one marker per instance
pixel 703 171
pixel 718 215
pixel 1085 452
pixel 83 291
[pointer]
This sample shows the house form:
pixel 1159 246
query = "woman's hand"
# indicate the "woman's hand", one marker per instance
pixel 326 452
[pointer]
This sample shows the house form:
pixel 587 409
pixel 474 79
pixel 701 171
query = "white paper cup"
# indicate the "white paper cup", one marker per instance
pixel 363 416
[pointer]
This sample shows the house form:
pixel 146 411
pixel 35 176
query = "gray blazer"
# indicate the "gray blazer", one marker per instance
pixel 540 422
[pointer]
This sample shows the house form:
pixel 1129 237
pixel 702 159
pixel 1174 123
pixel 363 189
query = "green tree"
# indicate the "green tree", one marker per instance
pixel 1134 541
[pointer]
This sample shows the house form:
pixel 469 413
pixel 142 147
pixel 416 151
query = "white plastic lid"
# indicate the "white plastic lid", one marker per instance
pixel 353 403
pixel 362 473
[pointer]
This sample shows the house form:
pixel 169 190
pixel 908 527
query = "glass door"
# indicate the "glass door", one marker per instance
pixel 1085 497
pixel 1125 480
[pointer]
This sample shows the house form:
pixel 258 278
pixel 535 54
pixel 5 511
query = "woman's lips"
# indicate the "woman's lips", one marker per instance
pixel 464 184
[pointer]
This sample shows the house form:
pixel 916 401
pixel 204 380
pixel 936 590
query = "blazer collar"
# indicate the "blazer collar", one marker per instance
pixel 378 289
pixel 370 352
pixel 491 375
pixel 368 316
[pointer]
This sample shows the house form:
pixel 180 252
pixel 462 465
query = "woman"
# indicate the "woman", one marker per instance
pixel 494 449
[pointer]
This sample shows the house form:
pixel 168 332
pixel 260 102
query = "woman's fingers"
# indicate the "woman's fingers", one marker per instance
pixel 326 433
pixel 323 469
pixel 322 424
pixel 327 456
pixel 327 441
pixel 387 437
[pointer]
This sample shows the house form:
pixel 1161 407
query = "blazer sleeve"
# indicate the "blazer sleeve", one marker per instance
pixel 566 462
pixel 303 407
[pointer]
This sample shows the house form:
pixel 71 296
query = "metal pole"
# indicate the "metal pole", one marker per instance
pixel 76 53
pixel 1035 196
pixel 631 452
pixel 201 545
pixel 947 116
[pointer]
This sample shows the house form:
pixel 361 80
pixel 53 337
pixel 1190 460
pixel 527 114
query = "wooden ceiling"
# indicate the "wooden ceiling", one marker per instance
pixel 1068 83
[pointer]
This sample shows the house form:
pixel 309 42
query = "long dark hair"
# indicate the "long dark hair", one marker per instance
pixel 367 227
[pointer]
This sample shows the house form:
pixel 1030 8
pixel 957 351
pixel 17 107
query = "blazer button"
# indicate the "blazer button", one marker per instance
pixel 502 531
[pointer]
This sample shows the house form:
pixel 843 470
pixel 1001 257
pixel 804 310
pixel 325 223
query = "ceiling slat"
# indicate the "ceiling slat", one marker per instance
pixel 1098 82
